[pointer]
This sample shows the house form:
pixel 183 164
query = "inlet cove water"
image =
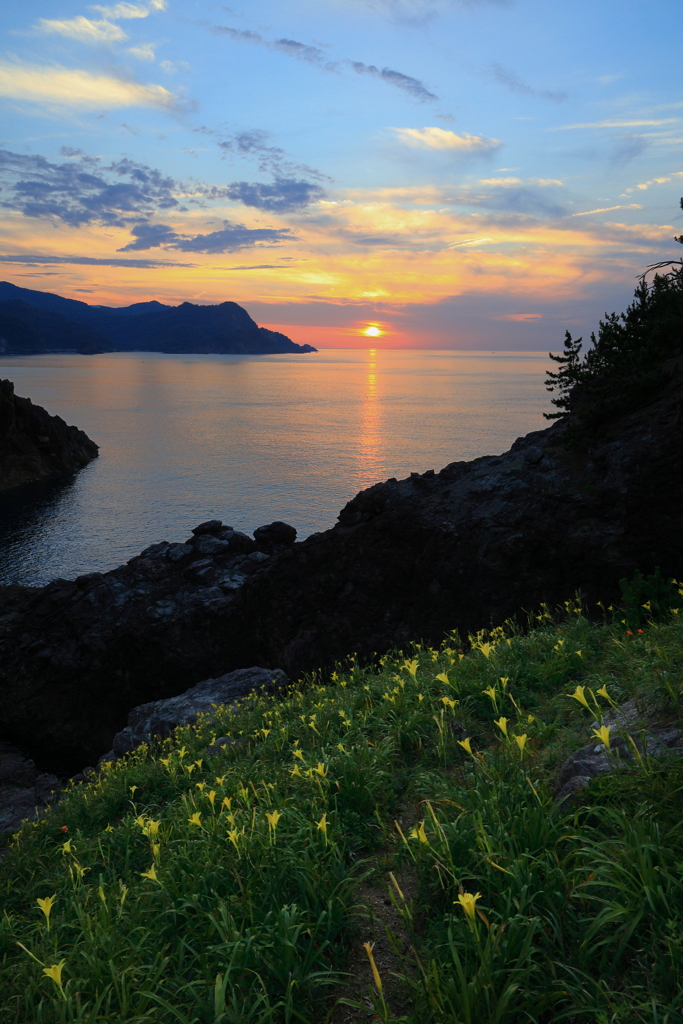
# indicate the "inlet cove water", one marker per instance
pixel 247 439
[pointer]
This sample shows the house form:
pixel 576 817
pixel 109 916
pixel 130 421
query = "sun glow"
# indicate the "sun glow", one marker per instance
pixel 372 331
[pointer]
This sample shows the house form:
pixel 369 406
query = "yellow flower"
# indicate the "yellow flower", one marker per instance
pixel 602 692
pixel 321 769
pixel 227 802
pixel 156 849
pixel 273 818
pixel 367 946
pixel 211 797
pixel 165 761
pixel 299 754
pixel 502 724
pixel 486 649
pixel 468 902
pixel 443 678
pixel 196 819
pixel 102 895
pixel 504 680
pixel 66 847
pixel 295 771
pixel 55 972
pixel 419 833
pixel 521 743
pixel 233 836
pixel 603 734
pixel 109 828
pixel 132 789
pixel 322 825
pixel 411 666
pixel 465 744
pixel 200 786
pixel 220 779
pixel 46 906
pixel 151 874
pixel 449 703
pixel 340 746
pixel 580 695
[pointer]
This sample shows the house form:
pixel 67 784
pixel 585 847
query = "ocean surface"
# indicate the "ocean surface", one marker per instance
pixel 247 439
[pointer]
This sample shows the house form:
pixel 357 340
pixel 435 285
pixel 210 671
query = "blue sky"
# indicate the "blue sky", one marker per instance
pixel 450 174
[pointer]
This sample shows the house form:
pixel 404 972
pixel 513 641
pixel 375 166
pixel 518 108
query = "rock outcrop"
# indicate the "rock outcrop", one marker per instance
pixel 35 445
pixel 23 788
pixel 409 560
pixel 633 736
pixel 157 720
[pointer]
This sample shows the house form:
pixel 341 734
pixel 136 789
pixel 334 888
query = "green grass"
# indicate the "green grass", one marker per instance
pixel 181 896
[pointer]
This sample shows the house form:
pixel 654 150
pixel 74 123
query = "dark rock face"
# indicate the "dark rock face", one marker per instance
pixel 158 719
pixel 408 560
pixel 23 789
pixel 35 445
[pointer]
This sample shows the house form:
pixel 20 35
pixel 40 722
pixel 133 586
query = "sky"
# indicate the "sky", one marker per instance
pixel 441 174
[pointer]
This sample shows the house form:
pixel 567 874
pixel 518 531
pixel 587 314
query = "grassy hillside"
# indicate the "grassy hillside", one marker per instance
pixel 409 804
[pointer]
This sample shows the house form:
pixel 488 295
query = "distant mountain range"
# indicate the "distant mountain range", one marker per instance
pixel 32 322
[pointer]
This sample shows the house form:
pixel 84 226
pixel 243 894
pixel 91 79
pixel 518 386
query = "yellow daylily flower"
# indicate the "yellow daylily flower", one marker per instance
pixel 603 734
pixel 196 819
pixel 322 825
pixel 521 743
pixel 151 874
pixel 580 695
pixel 55 973
pixel 502 724
pixel 468 902
pixel 419 833
pixel 411 666
pixel 273 818
pixel 46 906
pixel 299 754
pixel 465 744
pixel 443 678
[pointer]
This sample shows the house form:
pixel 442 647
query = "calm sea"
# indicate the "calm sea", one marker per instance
pixel 247 440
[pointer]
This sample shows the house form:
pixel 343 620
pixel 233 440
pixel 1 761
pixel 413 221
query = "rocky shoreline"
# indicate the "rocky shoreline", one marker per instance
pixel 35 445
pixel 408 560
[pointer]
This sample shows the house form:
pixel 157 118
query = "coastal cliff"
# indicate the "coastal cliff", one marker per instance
pixel 408 560
pixel 35 445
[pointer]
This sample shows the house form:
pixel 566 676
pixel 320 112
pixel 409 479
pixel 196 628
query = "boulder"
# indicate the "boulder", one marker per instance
pixel 274 533
pixel 158 719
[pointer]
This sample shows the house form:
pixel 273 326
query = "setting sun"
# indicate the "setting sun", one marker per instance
pixel 372 331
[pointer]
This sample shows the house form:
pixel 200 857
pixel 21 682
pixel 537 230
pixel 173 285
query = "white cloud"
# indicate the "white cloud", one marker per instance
pixel 443 139
pixel 510 182
pixel 644 185
pixel 614 124
pixel 74 88
pixel 145 51
pixel 83 29
pixel 122 10
pixel 606 209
